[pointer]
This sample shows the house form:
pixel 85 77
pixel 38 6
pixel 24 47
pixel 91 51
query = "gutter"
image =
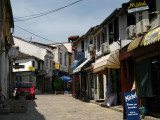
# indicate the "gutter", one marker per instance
pixel 0 36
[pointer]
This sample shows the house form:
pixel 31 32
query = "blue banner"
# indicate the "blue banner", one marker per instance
pixel 131 105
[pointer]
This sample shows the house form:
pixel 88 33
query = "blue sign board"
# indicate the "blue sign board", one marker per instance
pixel 131 105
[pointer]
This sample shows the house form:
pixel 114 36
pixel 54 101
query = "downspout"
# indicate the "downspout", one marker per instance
pixel 0 36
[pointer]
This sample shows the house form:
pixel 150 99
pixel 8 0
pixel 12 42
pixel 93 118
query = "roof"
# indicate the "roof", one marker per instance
pixel 10 12
pixel 23 55
pixel 91 30
pixel 78 40
pixel 73 37
pixel 114 14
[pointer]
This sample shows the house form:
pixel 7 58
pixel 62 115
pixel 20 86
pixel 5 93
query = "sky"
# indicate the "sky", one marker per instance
pixel 58 26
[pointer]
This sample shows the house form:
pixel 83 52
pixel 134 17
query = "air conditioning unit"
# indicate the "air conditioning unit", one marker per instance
pixel 131 31
pixel 105 48
pixel 142 26
pixel 90 48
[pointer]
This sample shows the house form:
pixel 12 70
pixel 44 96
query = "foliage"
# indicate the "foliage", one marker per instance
pixel 58 84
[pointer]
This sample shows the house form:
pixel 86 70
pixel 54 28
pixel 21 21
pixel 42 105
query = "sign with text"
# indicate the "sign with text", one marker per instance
pixel 56 66
pixel 131 105
pixel 31 68
pixel 137 6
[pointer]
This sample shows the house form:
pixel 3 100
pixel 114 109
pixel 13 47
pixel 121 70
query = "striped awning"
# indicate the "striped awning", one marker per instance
pixel 151 37
pixel 109 61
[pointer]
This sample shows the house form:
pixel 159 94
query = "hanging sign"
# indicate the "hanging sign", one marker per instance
pixel 56 66
pixel 31 68
pixel 138 5
pixel 131 105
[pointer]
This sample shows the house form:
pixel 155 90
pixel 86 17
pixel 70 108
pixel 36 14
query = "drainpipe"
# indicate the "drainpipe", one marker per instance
pixel 0 36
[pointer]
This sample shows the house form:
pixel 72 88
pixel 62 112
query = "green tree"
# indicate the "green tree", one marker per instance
pixel 58 84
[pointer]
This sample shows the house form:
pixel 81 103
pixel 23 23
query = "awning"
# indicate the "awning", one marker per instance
pixel 80 66
pixel 109 61
pixel 77 63
pixel 134 44
pixel 151 37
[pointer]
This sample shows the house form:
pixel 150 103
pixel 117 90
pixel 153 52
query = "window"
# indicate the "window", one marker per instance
pixel 91 42
pixel 33 64
pixel 111 33
pixel 140 15
pixel 65 60
pixel 61 58
pixel 47 63
pixel 131 19
pixel 98 42
pixel 69 61
pixel 50 63
pixel 152 8
pixel 116 29
pixel 39 65
pixel 82 46
pixel 103 37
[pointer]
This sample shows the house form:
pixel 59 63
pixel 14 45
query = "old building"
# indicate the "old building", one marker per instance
pixel 6 30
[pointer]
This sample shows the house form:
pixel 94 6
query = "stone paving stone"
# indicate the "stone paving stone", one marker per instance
pixel 62 107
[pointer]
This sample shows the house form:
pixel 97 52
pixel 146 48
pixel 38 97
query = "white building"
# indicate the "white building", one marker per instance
pixel 43 63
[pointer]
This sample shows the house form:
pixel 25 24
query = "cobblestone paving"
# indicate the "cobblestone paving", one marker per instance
pixel 62 107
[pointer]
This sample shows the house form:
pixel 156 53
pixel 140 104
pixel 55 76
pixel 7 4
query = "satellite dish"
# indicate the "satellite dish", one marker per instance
pixel 13 52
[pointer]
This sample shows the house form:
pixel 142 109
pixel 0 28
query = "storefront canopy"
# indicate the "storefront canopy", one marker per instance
pixel 151 37
pixel 80 66
pixel 109 61
pixel 134 44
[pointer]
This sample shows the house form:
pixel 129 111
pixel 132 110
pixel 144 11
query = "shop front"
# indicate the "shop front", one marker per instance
pixel 146 61
pixel 108 78
pixel 147 58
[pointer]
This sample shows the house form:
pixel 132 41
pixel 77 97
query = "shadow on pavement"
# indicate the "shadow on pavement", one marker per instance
pixel 31 114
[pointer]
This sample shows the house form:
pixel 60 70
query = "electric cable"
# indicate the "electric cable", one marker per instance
pixel 35 34
pixel 44 13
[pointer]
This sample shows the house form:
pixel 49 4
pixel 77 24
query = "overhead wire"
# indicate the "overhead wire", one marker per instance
pixel 44 13
pixel 35 34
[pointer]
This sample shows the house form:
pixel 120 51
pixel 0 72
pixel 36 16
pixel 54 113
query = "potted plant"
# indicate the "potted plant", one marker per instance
pixel 59 85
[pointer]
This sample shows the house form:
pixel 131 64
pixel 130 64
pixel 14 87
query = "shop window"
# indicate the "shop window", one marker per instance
pixel 156 76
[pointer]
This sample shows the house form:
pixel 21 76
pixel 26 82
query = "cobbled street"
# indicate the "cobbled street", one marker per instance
pixel 62 107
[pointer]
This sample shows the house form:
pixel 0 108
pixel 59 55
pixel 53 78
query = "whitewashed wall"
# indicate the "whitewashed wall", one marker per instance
pixel 35 50
pixel 62 49
pixel 27 63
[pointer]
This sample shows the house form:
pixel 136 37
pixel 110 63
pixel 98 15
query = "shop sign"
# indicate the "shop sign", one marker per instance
pixel 31 68
pixel 137 6
pixel 131 105
pixel 56 66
